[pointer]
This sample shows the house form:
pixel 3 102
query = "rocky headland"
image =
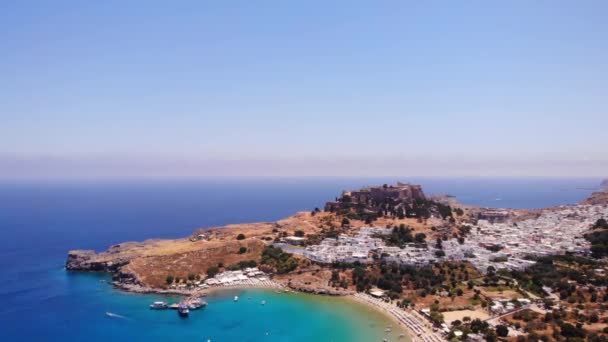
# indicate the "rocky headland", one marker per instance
pixel 145 266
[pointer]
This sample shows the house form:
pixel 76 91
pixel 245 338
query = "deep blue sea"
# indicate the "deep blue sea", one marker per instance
pixel 41 221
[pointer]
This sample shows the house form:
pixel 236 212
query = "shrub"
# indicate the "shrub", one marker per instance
pixel 502 330
pixel 240 236
pixel 420 237
pixel 212 271
pixel 281 261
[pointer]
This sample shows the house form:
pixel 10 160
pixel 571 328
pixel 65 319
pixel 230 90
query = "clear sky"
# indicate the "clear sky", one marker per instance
pixel 335 88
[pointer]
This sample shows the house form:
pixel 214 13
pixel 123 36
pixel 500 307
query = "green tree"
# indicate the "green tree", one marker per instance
pixel 490 336
pixel 436 317
pixel 169 279
pixel 601 223
pixel 242 250
pixel 212 271
pixel 240 237
pixel 420 237
pixel 502 330
pixel 594 318
pixel 569 330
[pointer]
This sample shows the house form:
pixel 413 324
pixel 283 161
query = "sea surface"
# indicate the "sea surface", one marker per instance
pixel 41 221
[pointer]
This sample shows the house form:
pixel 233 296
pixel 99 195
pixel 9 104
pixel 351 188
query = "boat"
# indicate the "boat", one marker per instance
pixel 159 306
pixel 196 304
pixel 236 298
pixel 263 302
pixel 183 310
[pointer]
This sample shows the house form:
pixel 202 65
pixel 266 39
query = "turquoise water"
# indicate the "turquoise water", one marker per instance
pixel 285 316
pixel 40 222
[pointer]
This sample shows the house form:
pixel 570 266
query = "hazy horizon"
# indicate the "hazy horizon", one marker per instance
pixel 347 89
pixel 50 169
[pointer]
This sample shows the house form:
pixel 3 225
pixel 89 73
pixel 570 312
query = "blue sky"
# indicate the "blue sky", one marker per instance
pixel 351 88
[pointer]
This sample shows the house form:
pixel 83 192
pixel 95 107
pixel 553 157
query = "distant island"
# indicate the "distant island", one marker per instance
pixel 441 269
pixel 604 183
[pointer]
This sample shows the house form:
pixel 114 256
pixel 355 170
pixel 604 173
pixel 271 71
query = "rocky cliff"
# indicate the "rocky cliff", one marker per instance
pixel 597 198
pixel 142 266
pixel 88 260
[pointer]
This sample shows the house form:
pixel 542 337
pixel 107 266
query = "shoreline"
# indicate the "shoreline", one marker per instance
pixel 199 292
pixel 417 328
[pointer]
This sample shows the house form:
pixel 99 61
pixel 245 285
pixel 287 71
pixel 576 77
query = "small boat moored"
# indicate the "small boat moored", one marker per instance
pixel 183 310
pixel 195 304
pixel 159 306
pixel 236 298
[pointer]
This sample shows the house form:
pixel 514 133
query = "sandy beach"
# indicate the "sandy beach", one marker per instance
pixel 417 327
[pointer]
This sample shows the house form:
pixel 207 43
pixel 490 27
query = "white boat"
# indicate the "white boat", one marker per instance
pixel 183 310
pixel 236 298
pixel 263 302
pixel 196 304
pixel 159 306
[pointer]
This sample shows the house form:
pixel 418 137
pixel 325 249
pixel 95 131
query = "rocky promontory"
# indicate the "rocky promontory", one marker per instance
pixel 597 198
pixel 152 265
pixel 89 260
pixel 147 266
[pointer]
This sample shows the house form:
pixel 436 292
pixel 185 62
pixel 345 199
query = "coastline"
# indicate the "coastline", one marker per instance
pixel 138 267
pixel 417 328
pixel 411 334
pixel 199 292
pixel 385 309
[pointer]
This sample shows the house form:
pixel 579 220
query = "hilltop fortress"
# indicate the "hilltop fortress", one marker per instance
pixel 373 197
